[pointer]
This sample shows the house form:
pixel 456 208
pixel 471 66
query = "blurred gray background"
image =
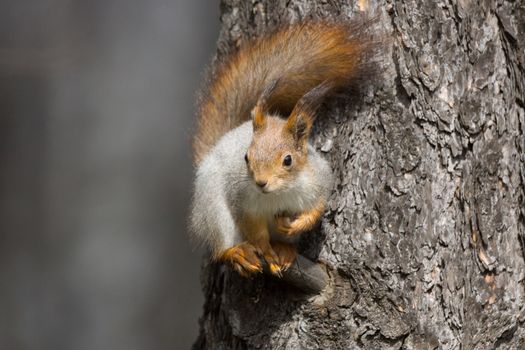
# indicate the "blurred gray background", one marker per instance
pixel 96 113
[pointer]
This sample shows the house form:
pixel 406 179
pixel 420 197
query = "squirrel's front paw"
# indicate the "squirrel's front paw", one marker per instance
pixel 244 259
pixel 287 226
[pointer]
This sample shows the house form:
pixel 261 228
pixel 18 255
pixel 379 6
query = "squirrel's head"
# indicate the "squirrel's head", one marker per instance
pixel 279 148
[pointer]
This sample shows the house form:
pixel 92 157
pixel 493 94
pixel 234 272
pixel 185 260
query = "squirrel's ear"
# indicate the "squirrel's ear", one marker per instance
pixel 299 125
pixel 301 119
pixel 261 108
pixel 258 117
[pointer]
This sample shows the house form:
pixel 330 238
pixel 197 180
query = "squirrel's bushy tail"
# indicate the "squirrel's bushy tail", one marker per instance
pixel 301 56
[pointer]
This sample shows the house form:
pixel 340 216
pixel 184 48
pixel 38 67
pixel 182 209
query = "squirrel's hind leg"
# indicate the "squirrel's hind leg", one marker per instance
pixel 286 254
pixel 271 257
pixel 243 258
pixel 255 231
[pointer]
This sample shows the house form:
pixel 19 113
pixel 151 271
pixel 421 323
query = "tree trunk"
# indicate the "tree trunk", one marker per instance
pixel 425 232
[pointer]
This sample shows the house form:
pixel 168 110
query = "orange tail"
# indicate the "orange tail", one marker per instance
pixel 301 56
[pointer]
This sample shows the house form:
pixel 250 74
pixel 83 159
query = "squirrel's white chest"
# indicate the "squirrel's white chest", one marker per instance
pixel 292 201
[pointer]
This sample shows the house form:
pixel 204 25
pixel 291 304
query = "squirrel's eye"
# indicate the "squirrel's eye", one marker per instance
pixel 287 160
pixel 246 157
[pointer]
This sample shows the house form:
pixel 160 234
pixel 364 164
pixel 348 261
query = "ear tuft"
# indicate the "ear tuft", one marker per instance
pixel 258 118
pixel 299 125
pixel 301 119
pixel 262 107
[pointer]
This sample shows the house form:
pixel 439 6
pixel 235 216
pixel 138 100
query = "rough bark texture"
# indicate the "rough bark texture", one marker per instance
pixel 425 232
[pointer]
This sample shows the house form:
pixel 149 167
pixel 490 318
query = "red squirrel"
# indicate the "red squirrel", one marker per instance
pixel 258 180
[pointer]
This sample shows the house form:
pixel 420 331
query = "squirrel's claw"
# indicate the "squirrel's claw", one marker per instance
pixel 276 270
pixel 286 254
pixel 272 259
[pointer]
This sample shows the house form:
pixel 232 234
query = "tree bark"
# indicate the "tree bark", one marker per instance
pixel 424 237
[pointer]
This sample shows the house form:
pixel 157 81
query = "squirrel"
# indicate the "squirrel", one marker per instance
pixel 259 183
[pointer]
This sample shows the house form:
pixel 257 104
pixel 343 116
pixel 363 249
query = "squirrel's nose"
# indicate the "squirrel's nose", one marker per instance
pixel 261 184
